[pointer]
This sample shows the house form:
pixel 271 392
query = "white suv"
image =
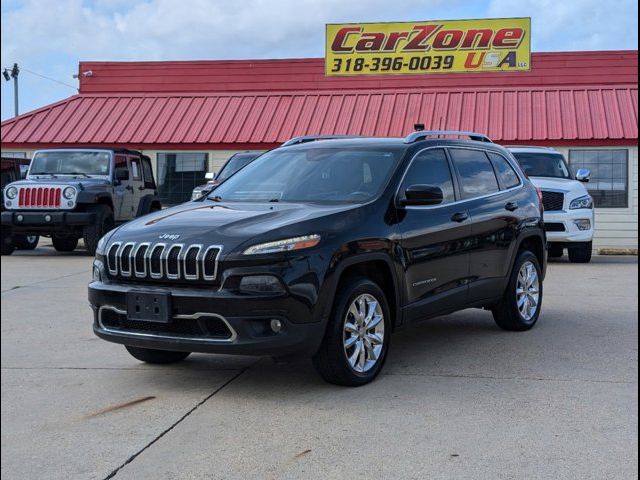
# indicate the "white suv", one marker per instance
pixel 568 207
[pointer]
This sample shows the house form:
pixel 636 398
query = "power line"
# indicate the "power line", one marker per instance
pixel 48 78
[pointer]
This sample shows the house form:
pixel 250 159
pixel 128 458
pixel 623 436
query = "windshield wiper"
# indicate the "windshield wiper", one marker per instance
pixel 76 173
pixel 44 173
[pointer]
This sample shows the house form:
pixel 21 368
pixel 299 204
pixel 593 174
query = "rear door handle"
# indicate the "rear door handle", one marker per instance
pixel 460 217
pixel 511 206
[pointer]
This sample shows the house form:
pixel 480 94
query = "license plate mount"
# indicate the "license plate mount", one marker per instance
pixel 149 307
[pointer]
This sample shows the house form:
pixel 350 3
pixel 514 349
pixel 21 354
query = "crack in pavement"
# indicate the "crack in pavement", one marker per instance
pixel 16 287
pixel 489 377
pixel 175 424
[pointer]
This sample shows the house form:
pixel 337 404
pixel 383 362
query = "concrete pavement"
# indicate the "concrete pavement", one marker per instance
pixel 458 398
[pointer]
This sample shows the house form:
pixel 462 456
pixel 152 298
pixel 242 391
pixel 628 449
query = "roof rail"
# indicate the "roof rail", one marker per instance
pixel 423 134
pixel 314 138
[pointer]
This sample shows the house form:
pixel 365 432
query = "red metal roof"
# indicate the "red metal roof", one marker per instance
pixel 577 113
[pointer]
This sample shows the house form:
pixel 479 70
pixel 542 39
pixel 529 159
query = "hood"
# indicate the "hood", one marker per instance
pixel 80 183
pixel 227 224
pixel 572 188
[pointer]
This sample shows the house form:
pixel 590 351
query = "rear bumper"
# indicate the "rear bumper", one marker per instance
pixel 248 323
pixel 45 221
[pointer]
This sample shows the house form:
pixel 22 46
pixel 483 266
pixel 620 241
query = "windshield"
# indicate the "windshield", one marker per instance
pixel 234 164
pixel 70 163
pixel 543 164
pixel 313 174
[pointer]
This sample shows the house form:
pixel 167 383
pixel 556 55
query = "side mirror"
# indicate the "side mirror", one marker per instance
pixel 210 175
pixel 422 195
pixel 122 174
pixel 583 175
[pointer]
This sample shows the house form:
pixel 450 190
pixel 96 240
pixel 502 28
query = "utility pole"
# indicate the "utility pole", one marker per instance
pixel 9 74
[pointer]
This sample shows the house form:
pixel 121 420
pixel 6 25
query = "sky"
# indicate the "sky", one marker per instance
pixel 50 37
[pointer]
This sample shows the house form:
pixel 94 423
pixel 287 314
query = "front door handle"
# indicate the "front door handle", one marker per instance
pixel 511 206
pixel 460 217
pixel 129 187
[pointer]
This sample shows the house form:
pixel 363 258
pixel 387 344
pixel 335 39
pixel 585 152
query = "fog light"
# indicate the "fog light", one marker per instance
pixel 260 284
pixel 583 224
pixel 19 218
pixel 47 218
pixel 70 203
pixel 276 325
pixel 8 204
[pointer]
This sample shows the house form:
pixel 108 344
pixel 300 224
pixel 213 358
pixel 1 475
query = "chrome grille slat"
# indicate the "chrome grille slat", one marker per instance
pixel 162 261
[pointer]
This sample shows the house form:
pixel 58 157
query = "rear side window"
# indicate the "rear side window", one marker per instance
pixel 148 173
pixel 136 173
pixel 507 175
pixel 477 177
pixel 431 168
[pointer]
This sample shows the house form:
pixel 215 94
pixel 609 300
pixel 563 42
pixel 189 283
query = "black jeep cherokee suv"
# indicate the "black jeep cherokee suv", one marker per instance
pixel 75 193
pixel 324 248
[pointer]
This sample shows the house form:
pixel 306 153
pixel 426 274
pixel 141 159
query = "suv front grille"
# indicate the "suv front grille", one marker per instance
pixel 40 197
pixel 552 201
pixel 162 262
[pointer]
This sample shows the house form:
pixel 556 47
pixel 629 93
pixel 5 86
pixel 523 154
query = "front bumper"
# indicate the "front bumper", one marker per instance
pixel 45 221
pixel 571 231
pixel 247 319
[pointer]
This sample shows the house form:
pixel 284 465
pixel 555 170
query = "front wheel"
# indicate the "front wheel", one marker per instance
pixel 104 222
pixel 580 252
pixel 556 250
pixel 149 355
pixel 7 243
pixel 64 243
pixel 357 338
pixel 519 308
pixel 26 242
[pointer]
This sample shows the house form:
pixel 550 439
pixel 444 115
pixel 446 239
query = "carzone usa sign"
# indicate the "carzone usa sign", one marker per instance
pixel 490 45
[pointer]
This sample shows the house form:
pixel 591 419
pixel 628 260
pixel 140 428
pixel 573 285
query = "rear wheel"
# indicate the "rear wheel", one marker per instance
pixel 7 243
pixel 555 250
pixel 104 222
pixel 519 308
pixel 356 342
pixel 26 242
pixel 64 243
pixel 580 252
pixel 149 355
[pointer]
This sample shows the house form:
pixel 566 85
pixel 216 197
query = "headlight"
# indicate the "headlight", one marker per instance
pixel 98 271
pixel 101 244
pixel 69 193
pixel 582 202
pixel 12 192
pixel 196 194
pixel 296 243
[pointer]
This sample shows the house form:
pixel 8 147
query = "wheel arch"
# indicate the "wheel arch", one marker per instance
pixel 146 203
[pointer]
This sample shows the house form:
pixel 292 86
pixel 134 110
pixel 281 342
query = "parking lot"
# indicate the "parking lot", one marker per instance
pixel 458 397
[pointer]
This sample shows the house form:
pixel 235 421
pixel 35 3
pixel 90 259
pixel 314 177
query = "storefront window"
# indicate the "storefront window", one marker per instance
pixel 609 184
pixel 179 174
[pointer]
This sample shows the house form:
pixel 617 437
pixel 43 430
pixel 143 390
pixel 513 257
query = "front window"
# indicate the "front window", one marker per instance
pixel 70 163
pixel 312 174
pixel 552 165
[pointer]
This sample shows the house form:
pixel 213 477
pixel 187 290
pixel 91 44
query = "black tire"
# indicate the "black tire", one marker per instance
pixel 506 313
pixel 64 243
pixel 555 250
pixel 331 360
pixel 91 234
pixel 26 242
pixel 580 252
pixel 7 243
pixel 149 355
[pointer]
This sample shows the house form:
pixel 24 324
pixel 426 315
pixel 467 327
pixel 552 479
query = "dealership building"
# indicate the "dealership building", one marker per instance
pixel 189 117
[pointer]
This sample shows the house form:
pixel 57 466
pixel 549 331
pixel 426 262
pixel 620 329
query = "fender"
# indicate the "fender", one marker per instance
pixel 144 206
pixel 537 232
pixel 333 276
pixel 85 196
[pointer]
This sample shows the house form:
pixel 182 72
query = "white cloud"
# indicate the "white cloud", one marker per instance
pixel 575 25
